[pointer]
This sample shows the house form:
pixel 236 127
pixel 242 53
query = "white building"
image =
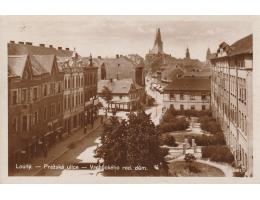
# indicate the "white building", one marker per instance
pixel 231 92
pixel 188 94
pixel 126 94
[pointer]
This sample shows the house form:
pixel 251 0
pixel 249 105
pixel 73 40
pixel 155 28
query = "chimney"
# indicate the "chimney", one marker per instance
pixel 67 49
pixel 117 74
pixel 59 48
pixel 117 56
pixel 28 43
pixel 51 46
pixel 12 42
pixel 99 57
pixel 42 45
pixel 21 42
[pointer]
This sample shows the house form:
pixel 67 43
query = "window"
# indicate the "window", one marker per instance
pixel 24 95
pixel 14 125
pixel 14 97
pixel 35 93
pixel 181 107
pixel 52 89
pixel 181 96
pixel 203 97
pixel 192 97
pixel 65 83
pixel 36 117
pixel 75 121
pixel 24 128
pixel 192 107
pixel 52 110
pixel 73 82
pixel 45 113
pixel 203 107
pixel 45 90
pixel 65 102
pixel 172 96
pixel 59 107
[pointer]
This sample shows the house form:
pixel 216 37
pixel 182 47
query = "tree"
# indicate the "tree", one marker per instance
pixel 134 142
pixel 113 148
pixel 107 96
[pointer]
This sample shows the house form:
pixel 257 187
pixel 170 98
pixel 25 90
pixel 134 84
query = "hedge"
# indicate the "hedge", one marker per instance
pixel 218 153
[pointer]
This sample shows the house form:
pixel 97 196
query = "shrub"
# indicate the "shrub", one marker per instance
pixel 170 141
pixel 174 125
pixel 189 113
pixel 218 153
pixel 209 124
pixel 205 140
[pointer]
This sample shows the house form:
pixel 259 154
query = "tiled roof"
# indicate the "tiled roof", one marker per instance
pixel 42 63
pixel 121 86
pixel 21 49
pixel 242 46
pixel 170 74
pixel 205 73
pixel 189 84
pixel 16 65
pixel 125 70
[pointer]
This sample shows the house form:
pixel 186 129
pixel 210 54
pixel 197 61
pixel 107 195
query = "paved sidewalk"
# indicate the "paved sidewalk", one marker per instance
pixel 57 150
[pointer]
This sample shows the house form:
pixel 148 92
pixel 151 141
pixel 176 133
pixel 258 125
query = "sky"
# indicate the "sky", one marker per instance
pixel 107 36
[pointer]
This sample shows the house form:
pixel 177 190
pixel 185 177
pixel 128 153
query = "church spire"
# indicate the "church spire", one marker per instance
pixel 187 53
pixel 158 44
pixel 158 38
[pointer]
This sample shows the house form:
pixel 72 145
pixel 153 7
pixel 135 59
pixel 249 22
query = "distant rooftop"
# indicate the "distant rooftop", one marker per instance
pixel 22 48
pixel 189 84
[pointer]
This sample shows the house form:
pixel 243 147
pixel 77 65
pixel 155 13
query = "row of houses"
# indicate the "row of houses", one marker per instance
pixel 52 92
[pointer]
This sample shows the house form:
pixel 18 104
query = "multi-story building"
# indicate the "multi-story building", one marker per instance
pixel 90 92
pixel 231 101
pixel 189 93
pixel 35 108
pixel 73 99
pixel 49 91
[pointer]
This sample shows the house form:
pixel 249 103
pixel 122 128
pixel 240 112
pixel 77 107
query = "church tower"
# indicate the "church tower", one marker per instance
pixel 208 56
pixel 187 53
pixel 158 44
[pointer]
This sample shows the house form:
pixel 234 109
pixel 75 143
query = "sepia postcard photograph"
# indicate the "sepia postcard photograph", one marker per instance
pixel 100 97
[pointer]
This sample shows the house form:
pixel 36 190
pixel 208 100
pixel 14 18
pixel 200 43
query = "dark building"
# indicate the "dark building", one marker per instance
pixel 120 67
pixel 35 108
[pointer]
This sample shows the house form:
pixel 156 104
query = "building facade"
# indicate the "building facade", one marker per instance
pixel 73 95
pixel 231 101
pixel 35 108
pixel 187 94
pixel 51 92
pixel 90 92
